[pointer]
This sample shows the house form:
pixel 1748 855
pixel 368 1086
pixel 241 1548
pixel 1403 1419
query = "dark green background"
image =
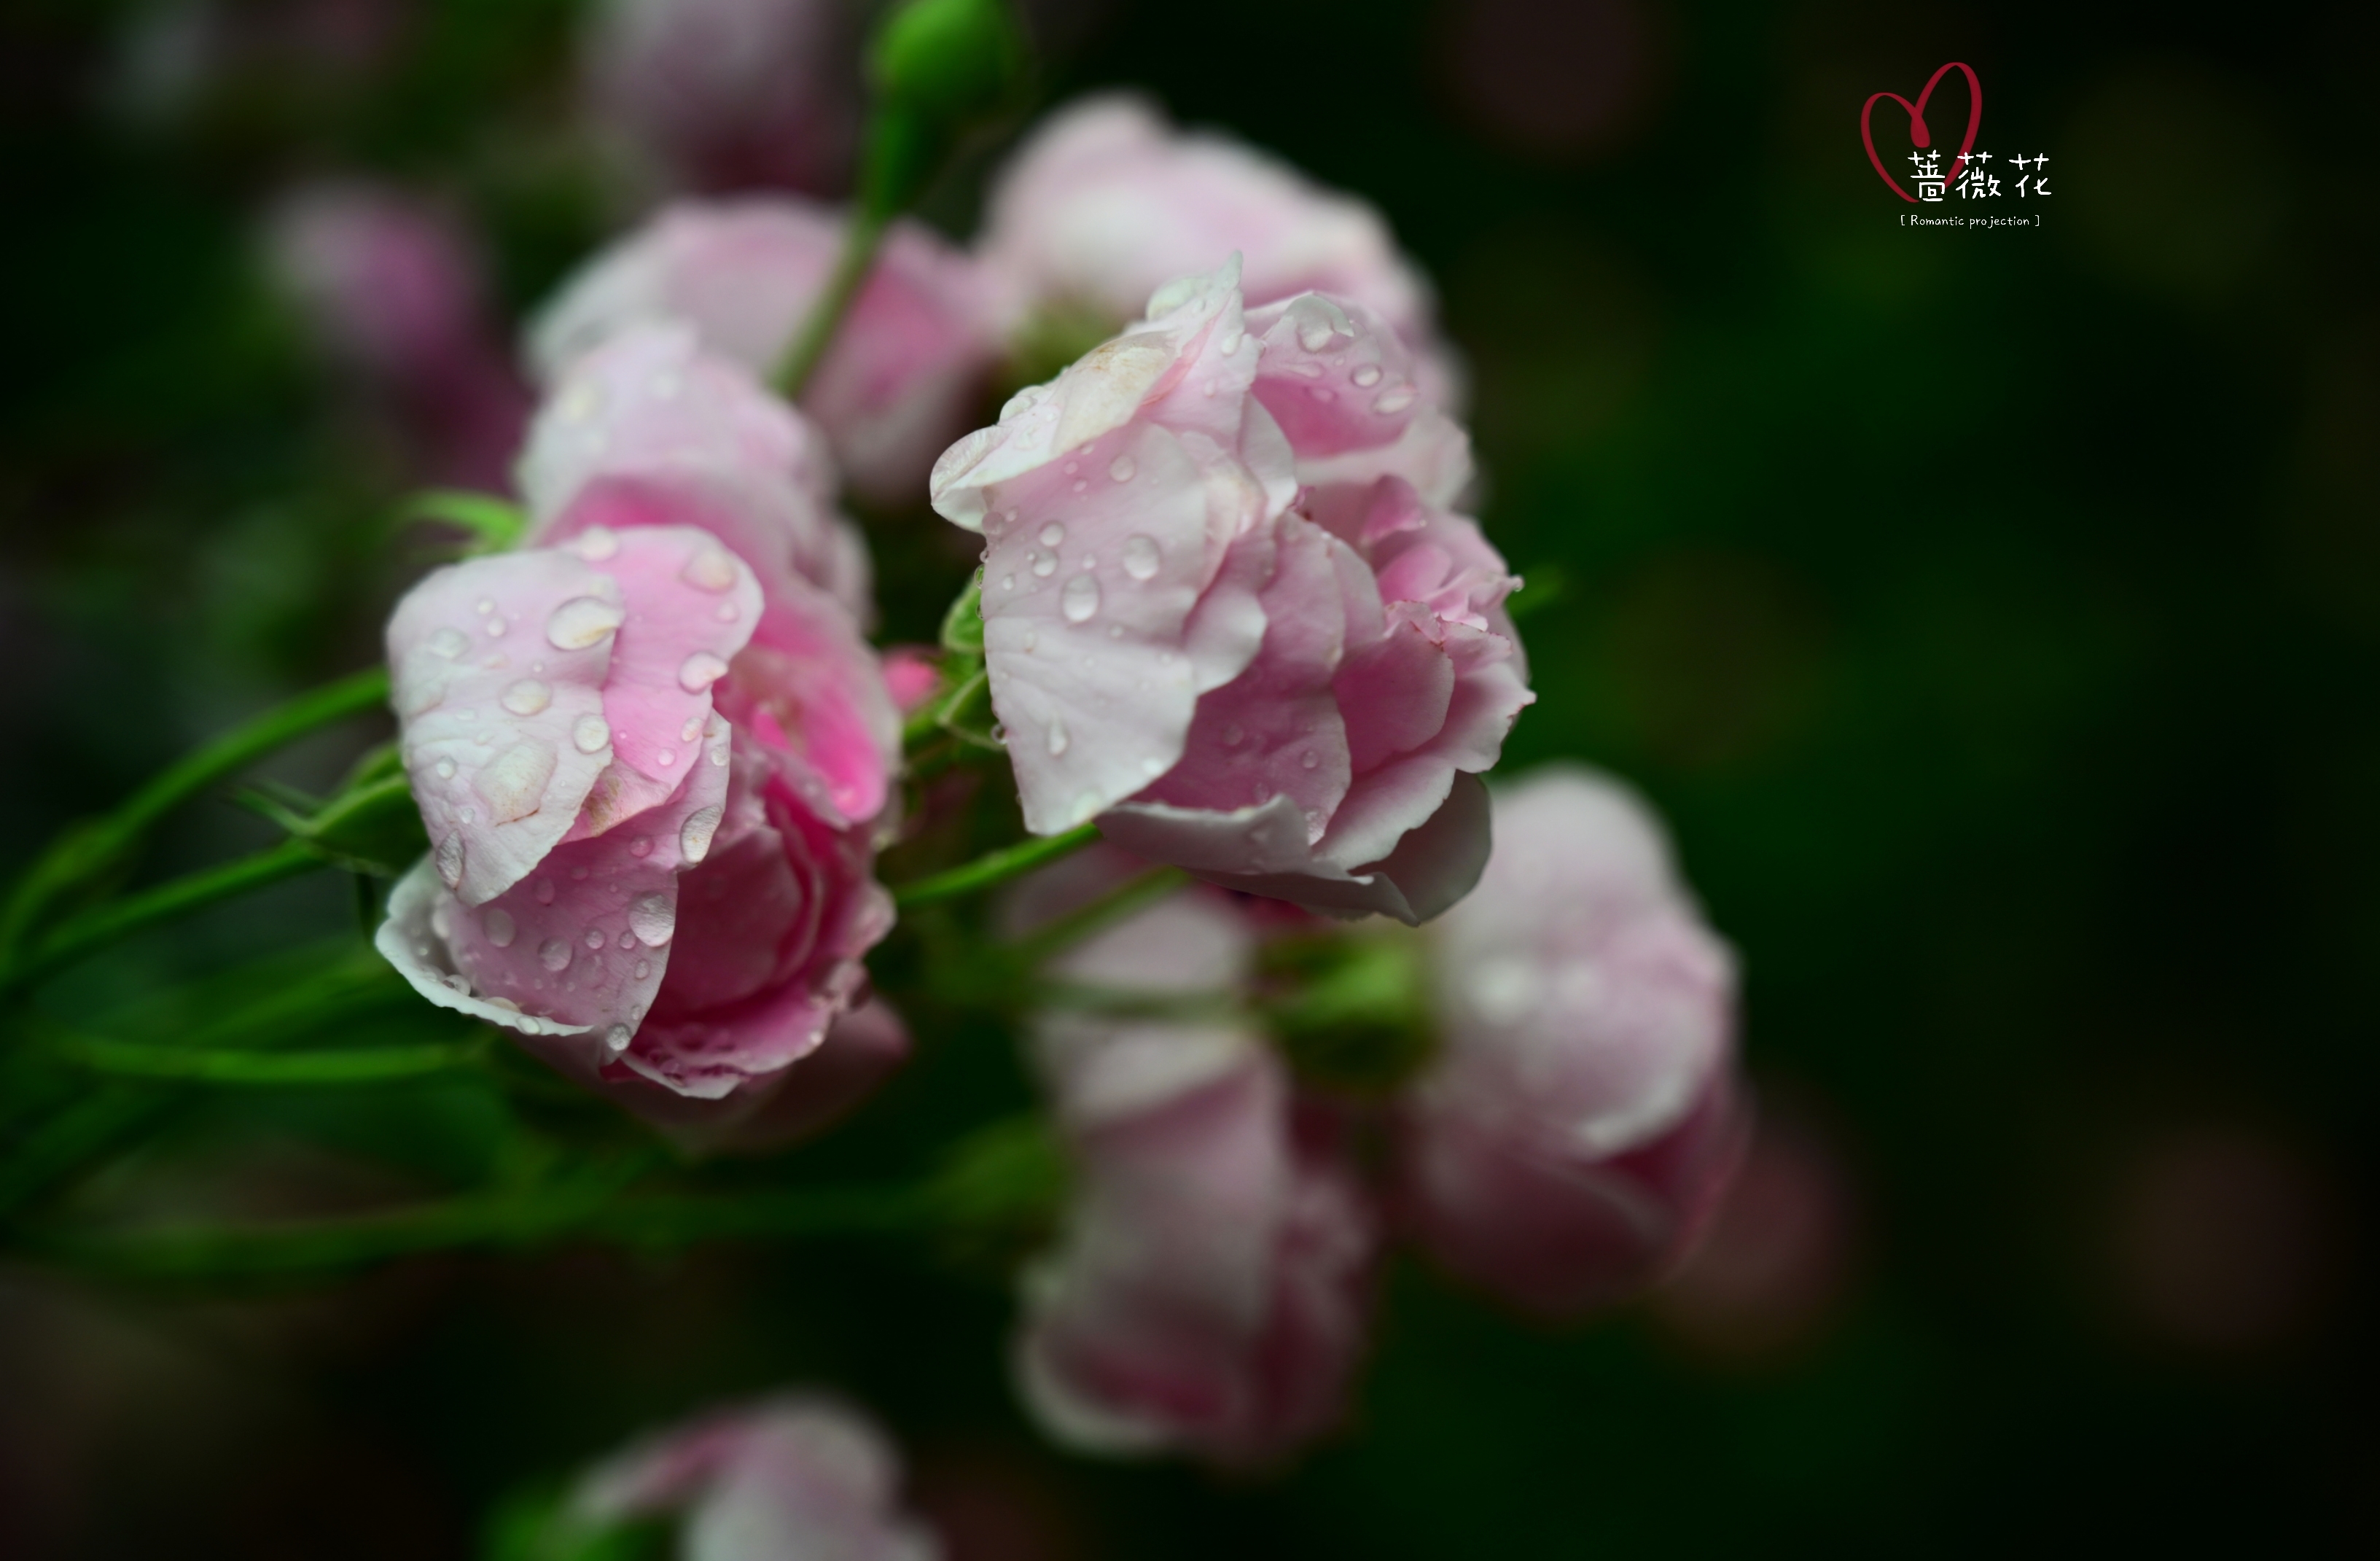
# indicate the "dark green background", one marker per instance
pixel 1995 615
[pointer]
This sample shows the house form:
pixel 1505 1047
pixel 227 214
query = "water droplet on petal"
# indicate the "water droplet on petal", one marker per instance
pixel 665 757
pixel 699 671
pixel 727 612
pixel 642 845
pixel 497 626
pixel 497 922
pixel 1051 534
pixel 1008 583
pixel 711 568
pixel 1057 736
pixel 598 542
pixel 1073 467
pixel 1230 343
pixel 515 781
pixel 545 891
pixel 618 1037
pixel 449 643
pixel 1044 564
pixel 528 697
pixel 445 768
pixel 450 861
pixel 1142 557
pixel 582 621
pixel 1366 376
pixel 1313 337
pixel 553 954
pixel 1232 735
pixel 694 835
pixel 590 733
pixel 644 970
pixel 652 916
pixel 1122 469
pixel 1311 759
pixel 594 938
pixel 1394 401
pixel 1080 599
pixel 1083 486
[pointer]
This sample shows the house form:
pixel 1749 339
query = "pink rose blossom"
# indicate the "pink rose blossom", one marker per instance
pixel 785 1478
pixel 1211 1290
pixel 725 94
pixel 390 287
pixel 651 429
pixel 892 389
pixel 1106 202
pixel 648 792
pixel 1583 1117
pixel 1287 701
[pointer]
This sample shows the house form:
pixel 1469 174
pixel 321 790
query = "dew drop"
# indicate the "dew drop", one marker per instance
pixel 1313 337
pixel 590 733
pixel 582 621
pixel 545 891
pixel 644 970
pixel 1366 376
pixel 498 925
pixel 652 916
pixel 483 606
pixel 1058 738
pixel 1032 638
pixel 628 940
pixel 1008 583
pixel 553 954
pixel 727 612
pixel 445 768
pixel 711 569
pixel 1234 735
pixel 528 697
pixel 618 1037
pixel 497 626
pixel 1307 371
pixel 1230 343
pixel 699 671
pixel 695 835
pixel 1044 565
pixel 1311 759
pixel 594 938
pixel 665 757
pixel 1052 534
pixel 449 643
pixel 1083 486
pixel 450 861
pixel 1071 467
pixel 1115 631
pixel 1151 768
pixel 596 543
pixel 642 845
pixel 515 781
pixel 1394 401
pixel 1142 557
pixel 1122 469
pixel 1323 393
pixel 1080 599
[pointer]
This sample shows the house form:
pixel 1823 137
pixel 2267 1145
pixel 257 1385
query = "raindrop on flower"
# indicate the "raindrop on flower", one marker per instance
pixel 596 543
pixel 1080 599
pixel 1122 467
pixel 498 924
pixel 1313 337
pixel 553 954
pixel 445 768
pixel 590 733
pixel 694 835
pixel 528 697
pixel 582 621
pixel 699 671
pixel 545 891
pixel 1142 557
pixel 1394 401
pixel 711 569
pixel 450 861
pixel 1366 376
pixel 618 1037
pixel 449 643
pixel 1044 565
pixel 691 730
pixel 652 916
pixel 497 626
pixel 1057 736
pixel 515 781
pixel 1052 534
pixel 642 845
pixel 594 938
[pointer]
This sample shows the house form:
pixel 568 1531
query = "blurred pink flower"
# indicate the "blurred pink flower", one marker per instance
pixel 1106 202
pixel 782 1477
pixel 649 794
pixel 648 428
pixel 1582 1117
pixel 1290 701
pixel 1211 1291
pixel 897 383
pixel 725 94
pixel 390 287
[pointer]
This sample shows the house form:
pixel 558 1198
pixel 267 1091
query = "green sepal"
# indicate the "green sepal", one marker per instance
pixel 496 525
pixel 963 624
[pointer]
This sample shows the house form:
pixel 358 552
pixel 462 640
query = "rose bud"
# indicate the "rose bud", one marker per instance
pixel 784 1478
pixel 1211 1289
pixel 649 796
pixel 903 369
pixel 1106 202
pixel 1582 1117
pixel 1289 701
pixel 390 287
pixel 725 94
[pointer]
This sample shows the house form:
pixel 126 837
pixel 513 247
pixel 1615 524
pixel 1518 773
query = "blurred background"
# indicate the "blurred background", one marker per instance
pixel 1995 615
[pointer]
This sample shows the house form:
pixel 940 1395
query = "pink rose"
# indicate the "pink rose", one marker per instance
pixel 648 791
pixel 782 1477
pixel 1582 1118
pixel 1285 689
pixel 390 287
pixel 725 94
pixel 1106 202
pixel 904 366
pixel 1211 1290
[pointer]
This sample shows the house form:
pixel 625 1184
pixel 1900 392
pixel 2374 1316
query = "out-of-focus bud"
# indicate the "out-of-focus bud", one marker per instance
pixel 784 1478
pixel 937 67
pixel 1582 1117
pixel 1211 1292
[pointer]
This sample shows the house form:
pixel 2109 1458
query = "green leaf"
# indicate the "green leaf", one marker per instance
pixel 371 1065
pixel 963 624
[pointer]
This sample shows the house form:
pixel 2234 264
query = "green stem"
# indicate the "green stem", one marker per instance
pixel 100 844
pixel 1134 894
pixel 175 898
pixel 997 867
pixel 485 1224
pixel 862 233
pixel 370 1065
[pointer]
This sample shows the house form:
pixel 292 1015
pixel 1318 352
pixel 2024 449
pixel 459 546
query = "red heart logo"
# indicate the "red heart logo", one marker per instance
pixel 1919 136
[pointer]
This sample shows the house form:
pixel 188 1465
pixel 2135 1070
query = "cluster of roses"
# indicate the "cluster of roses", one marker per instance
pixel 1228 615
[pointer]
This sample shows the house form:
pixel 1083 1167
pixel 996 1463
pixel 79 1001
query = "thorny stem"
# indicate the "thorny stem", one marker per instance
pixel 997 867
pixel 101 843
pixel 861 237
